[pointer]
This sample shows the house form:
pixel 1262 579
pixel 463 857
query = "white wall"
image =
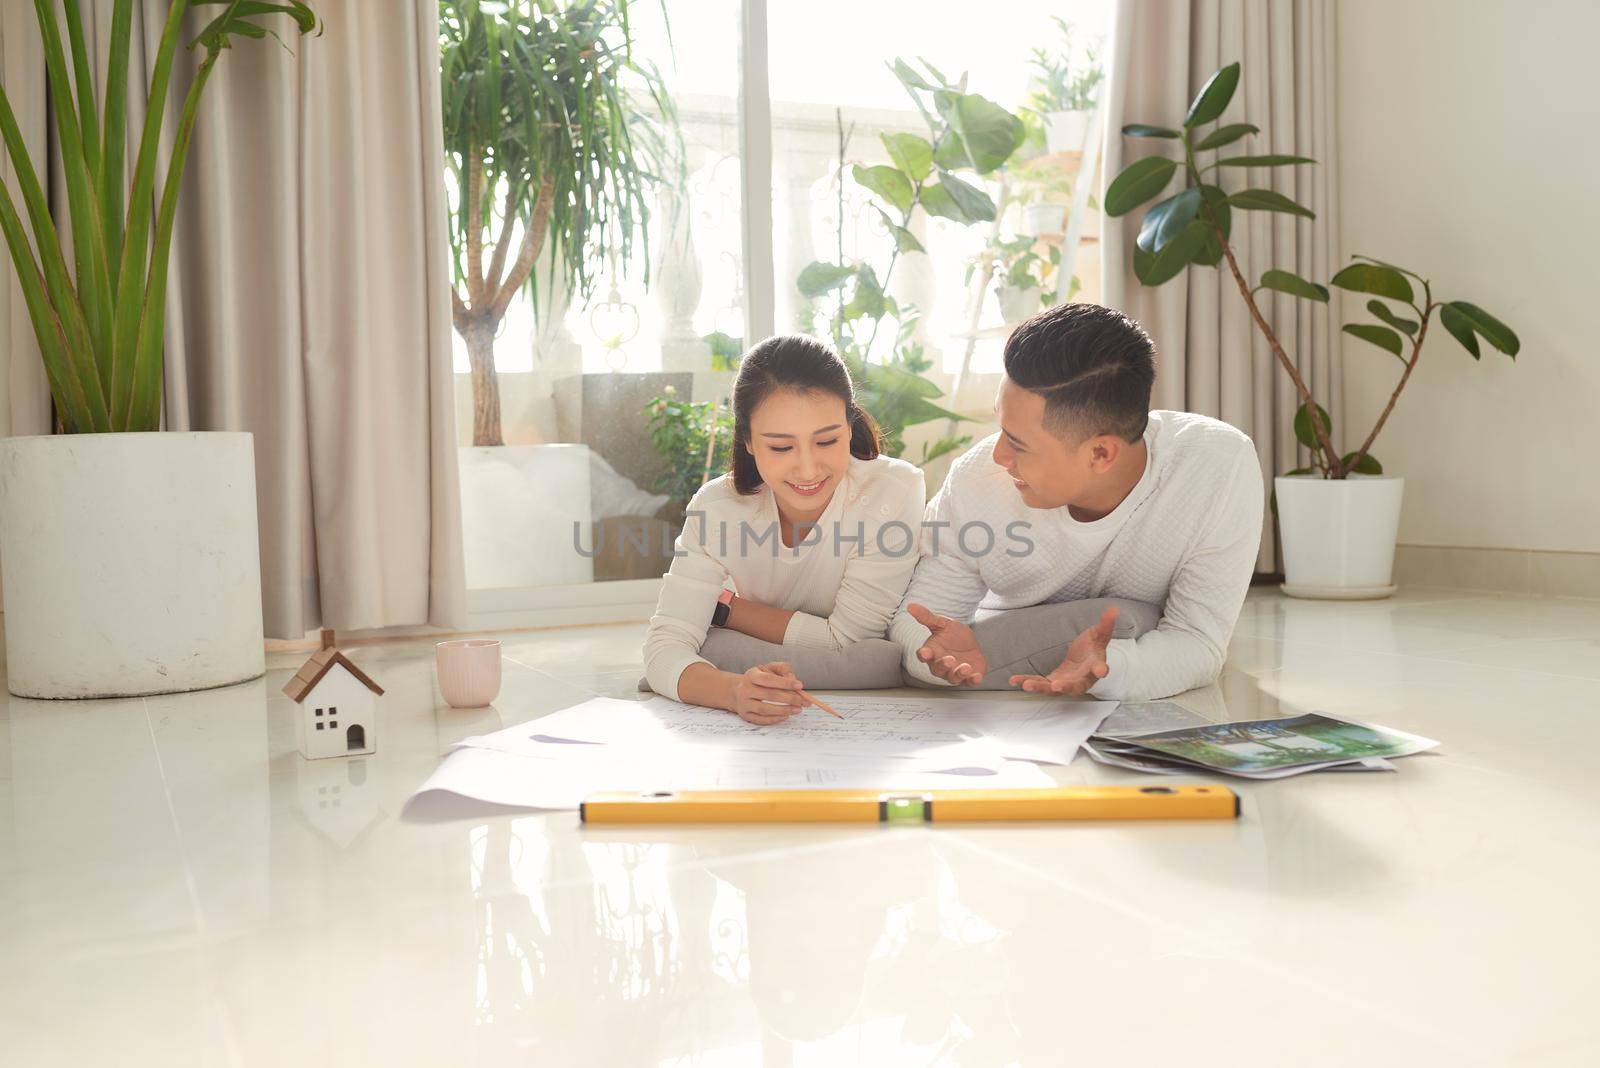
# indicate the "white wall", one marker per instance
pixel 1469 152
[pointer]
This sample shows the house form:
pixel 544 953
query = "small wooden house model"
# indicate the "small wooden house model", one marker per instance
pixel 337 705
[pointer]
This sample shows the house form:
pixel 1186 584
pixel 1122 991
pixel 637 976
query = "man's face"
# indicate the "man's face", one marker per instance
pixel 1048 472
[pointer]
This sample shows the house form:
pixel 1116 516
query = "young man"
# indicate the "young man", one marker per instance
pixel 1085 493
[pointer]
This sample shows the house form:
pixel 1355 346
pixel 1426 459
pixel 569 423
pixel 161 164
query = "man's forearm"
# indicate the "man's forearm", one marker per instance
pixel 1161 664
pixel 911 636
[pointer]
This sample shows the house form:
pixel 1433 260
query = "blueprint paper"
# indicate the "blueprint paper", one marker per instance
pixel 950 732
pixel 501 778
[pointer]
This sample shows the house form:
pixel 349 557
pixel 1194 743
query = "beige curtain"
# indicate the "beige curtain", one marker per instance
pixel 25 404
pixel 1211 358
pixel 309 304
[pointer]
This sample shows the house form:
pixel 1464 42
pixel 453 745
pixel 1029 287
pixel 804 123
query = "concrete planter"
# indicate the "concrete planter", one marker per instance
pixel 519 505
pixel 130 563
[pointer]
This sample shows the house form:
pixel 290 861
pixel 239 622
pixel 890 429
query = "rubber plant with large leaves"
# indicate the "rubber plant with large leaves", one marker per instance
pixel 1192 227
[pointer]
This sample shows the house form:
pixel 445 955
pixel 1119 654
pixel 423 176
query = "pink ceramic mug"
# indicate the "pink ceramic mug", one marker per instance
pixel 469 671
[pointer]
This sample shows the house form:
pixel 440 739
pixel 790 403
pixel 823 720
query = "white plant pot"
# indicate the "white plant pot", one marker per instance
pixel 131 563
pixel 1019 304
pixel 519 505
pixel 1339 535
pixel 1040 219
pixel 1065 131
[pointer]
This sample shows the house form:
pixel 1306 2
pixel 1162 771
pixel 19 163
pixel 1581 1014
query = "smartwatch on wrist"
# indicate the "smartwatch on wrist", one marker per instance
pixel 719 615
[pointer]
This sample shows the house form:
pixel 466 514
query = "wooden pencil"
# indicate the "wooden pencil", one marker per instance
pixel 820 704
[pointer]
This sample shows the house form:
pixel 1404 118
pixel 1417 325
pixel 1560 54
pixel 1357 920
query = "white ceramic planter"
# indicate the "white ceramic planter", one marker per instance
pixel 1039 219
pixel 130 563
pixel 1065 131
pixel 1339 535
pixel 1018 304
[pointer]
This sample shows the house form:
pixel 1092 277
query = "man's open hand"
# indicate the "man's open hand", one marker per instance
pixel 1082 667
pixel 951 651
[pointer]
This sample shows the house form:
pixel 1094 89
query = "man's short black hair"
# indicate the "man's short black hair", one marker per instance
pixel 1092 365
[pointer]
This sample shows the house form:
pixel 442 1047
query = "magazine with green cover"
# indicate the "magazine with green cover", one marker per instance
pixel 1264 745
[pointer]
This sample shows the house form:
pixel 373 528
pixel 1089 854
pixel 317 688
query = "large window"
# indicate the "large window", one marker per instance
pixel 993 51
pixel 578 491
pixel 590 482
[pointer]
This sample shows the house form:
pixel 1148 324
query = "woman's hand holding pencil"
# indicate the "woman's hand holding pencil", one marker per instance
pixel 785 670
pixel 768 694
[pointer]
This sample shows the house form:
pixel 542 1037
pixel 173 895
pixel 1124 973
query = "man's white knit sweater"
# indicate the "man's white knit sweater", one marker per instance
pixel 1185 538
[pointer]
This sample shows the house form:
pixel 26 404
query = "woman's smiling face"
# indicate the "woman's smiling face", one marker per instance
pixel 801 444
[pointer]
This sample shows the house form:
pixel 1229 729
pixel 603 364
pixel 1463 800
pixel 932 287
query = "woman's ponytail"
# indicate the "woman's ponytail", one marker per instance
pixel 866 440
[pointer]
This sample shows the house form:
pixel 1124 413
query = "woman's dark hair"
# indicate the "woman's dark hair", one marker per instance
pixel 793 361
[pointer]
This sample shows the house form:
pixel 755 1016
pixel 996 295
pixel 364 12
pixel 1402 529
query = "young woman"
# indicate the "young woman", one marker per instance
pixel 808 541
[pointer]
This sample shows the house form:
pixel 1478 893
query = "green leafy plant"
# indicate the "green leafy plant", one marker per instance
pixel 1065 78
pixel 693 437
pixel 1018 265
pixel 100 328
pixel 969 135
pixel 725 350
pixel 1192 226
pixel 1038 181
pixel 899 397
pixel 550 137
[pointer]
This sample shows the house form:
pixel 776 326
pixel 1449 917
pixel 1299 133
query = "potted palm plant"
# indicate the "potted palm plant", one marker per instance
pixel 549 137
pixel 130 557
pixel 1340 515
pixel 556 133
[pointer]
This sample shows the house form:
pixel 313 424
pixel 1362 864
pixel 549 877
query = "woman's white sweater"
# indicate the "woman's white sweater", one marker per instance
pixel 843 580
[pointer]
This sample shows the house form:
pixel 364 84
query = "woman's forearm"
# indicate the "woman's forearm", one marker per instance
pixel 758 620
pixel 702 684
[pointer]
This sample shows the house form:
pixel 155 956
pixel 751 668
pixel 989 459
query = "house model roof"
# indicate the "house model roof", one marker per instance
pixel 320 664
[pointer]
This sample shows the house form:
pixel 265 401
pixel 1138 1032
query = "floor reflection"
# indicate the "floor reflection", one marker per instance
pixel 179 886
pixel 669 951
pixel 574 937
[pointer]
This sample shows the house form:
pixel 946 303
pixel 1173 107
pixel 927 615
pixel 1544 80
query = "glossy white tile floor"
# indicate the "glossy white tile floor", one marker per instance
pixel 178 887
